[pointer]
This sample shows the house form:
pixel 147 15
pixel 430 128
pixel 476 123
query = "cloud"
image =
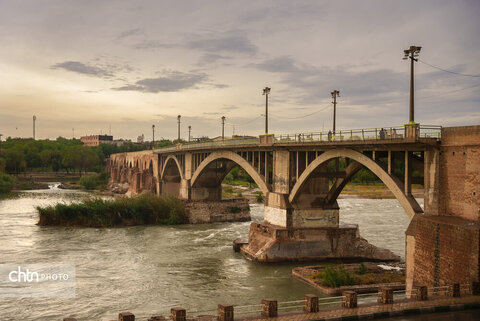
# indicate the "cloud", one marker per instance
pixel 234 41
pixel 210 58
pixel 81 68
pixel 279 64
pixel 171 81
pixel 130 33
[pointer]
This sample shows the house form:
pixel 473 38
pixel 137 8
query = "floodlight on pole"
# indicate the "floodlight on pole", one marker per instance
pixel 223 128
pixel 153 135
pixel 335 94
pixel 178 119
pixel 411 53
pixel 266 92
pixel 189 132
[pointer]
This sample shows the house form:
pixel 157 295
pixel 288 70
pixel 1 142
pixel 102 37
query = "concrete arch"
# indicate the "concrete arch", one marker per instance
pixel 408 203
pixel 240 161
pixel 172 158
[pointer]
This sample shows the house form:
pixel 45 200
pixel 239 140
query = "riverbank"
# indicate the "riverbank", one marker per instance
pixel 375 191
pixel 41 180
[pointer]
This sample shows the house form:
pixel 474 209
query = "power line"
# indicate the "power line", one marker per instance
pixel 315 112
pixel 247 122
pixel 449 71
pixel 448 92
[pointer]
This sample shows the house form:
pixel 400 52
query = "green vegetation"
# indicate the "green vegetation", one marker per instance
pixel 259 197
pixel 239 177
pixel 6 183
pixel 337 276
pixel 21 155
pixel 93 181
pixel 365 177
pixel 140 210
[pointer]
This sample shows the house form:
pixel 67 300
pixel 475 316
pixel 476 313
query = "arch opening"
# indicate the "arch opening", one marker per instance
pixel 207 180
pixel 307 191
pixel 171 177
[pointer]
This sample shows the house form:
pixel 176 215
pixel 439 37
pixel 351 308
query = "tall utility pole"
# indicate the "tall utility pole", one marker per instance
pixel 153 135
pixel 178 118
pixel 266 91
pixel 223 128
pixel 73 133
pixel 411 53
pixel 335 93
pixel 189 132
pixel 34 119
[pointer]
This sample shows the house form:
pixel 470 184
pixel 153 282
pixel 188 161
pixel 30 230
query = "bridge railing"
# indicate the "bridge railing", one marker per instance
pixel 344 135
pixel 226 142
pixel 364 134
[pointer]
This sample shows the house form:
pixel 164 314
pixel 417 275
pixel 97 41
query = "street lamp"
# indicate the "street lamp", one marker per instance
pixel 223 128
pixel 189 131
pixel 178 118
pixel 266 92
pixel 411 53
pixel 335 93
pixel 153 136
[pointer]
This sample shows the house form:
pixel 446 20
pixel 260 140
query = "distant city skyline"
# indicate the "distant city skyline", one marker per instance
pixel 89 65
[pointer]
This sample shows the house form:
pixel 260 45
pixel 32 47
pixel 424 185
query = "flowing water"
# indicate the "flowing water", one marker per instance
pixel 148 269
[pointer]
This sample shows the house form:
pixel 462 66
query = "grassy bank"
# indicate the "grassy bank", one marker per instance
pixel 338 276
pixel 140 210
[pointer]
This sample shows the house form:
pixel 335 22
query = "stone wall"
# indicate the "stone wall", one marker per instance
pixel 269 243
pixel 229 210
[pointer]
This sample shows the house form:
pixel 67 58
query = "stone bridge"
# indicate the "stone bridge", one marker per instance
pixel 294 173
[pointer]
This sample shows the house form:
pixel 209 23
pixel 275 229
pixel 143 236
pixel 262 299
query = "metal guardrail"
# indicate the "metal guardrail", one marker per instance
pixel 394 133
pixel 227 142
pixel 364 134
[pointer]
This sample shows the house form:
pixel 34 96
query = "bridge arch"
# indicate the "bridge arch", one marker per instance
pixel 234 157
pixel 408 203
pixel 168 163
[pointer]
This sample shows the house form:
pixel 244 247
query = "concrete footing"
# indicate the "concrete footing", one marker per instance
pixel 270 243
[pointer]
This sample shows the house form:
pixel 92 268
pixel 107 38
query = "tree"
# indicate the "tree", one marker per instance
pixel 15 160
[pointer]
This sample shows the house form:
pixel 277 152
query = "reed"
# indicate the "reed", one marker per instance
pixel 145 209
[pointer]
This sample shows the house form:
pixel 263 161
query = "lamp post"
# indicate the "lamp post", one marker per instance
pixel 189 131
pixel 335 93
pixel 153 136
pixel 34 119
pixel 223 128
pixel 178 118
pixel 411 53
pixel 266 92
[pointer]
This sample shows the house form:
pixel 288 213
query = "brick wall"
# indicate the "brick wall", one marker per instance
pixel 446 251
pixel 460 172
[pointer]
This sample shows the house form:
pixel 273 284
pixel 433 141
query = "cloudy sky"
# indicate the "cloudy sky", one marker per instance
pixel 93 65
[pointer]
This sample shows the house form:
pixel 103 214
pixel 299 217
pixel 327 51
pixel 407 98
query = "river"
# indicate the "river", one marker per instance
pixel 148 269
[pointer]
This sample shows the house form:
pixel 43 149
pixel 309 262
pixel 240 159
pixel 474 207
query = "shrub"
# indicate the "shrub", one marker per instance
pixel 259 197
pixel 94 181
pixel 239 194
pixel 361 270
pixel 6 183
pixel 143 209
pixel 335 277
pixel 235 209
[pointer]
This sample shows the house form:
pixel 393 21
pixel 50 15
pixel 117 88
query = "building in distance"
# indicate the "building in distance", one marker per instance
pixel 95 140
